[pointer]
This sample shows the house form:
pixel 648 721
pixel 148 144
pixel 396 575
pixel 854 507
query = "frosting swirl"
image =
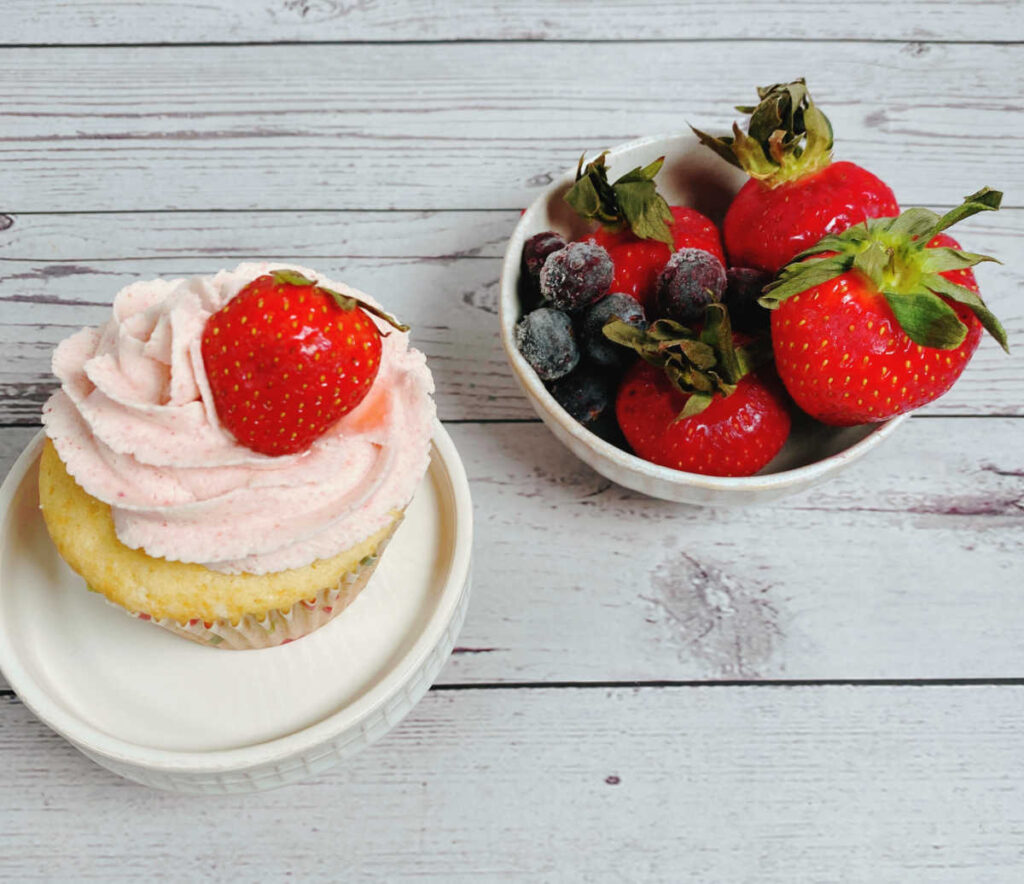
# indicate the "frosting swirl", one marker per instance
pixel 134 423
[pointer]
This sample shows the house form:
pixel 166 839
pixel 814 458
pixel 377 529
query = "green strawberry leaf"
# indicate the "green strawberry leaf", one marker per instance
pixel 753 157
pixel 777 147
pixel 695 405
pixel 753 355
pixel 717 334
pixel 893 253
pixel 914 223
pixel 700 354
pixel 347 303
pixel 669 330
pixel 985 200
pixel 941 259
pixel 626 335
pixel 293 277
pixel 927 319
pixel 787 136
pixel 647 173
pixel 776 110
pixel 798 277
pixel 633 199
pixel 835 242
pixel 721 385
pixel 818 132
pixel 592 196
pixel 290 277
pixel 942 286
pixel 706 362
pixel 584 198
pixel 646 211
pixel 720 145
pixel 687 379
pixel 873 262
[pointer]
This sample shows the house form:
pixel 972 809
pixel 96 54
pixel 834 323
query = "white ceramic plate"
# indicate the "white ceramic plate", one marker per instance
pixel 692 176
pixel 176 715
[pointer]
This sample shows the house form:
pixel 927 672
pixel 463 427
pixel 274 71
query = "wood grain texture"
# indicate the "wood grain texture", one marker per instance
pixel 883 784
pixel 237 21
pixel 438 236
pixel 438 270
pixel 442 126
pixel 906 566
pixel 452 308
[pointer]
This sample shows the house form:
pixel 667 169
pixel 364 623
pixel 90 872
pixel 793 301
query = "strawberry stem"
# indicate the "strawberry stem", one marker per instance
pixel 633 200
pixel 699 363
pixel 787 136
pixel 345 302
pixel 893 254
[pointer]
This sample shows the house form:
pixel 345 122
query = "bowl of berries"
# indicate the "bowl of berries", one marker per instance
pixel 731 325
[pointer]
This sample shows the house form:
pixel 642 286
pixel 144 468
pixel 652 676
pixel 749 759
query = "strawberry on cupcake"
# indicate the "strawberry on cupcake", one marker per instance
pixel 229 455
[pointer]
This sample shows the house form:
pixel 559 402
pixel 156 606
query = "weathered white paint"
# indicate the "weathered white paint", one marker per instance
pixel 451 307
pixel 906 566
pixel 775 784
pixel 467 125
pixel 238 21
pixel 439 271
pixel 438 236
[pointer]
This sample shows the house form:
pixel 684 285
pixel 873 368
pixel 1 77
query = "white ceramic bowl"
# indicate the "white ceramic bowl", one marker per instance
pixel 180 716
pixel 691 176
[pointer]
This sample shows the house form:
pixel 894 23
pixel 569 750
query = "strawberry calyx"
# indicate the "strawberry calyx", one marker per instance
pixel 787 136
pixel 893 254
pixel 631 201
pixel 700 363
pixel 345 302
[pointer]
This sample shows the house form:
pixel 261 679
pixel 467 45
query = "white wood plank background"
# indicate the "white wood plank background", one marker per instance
pixel 240 21
pixel 689 594
pixel 438 270
pixel 879 784
pixel 865 724
pixel 461 125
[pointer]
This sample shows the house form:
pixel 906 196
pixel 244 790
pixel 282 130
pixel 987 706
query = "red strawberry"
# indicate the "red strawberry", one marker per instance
pixel 695 402
pixel 287 358
pixel 638 261
pixel 883 320
pixel 639 228
pixel 796 194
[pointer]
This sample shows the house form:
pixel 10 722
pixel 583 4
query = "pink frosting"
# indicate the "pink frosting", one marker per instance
pixel 135 425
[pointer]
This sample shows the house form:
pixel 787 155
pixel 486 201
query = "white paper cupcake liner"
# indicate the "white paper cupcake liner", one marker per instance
pixel 276 627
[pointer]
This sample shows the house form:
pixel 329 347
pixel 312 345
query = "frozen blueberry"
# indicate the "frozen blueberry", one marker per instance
pixel 537 248
pixel 742 289
pixel 586 394
pixel 596 347
pixel 545 338
pixel 576 276
pixel 691 280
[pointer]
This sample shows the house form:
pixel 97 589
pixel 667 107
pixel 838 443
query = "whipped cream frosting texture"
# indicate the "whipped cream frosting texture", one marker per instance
pixel 135 425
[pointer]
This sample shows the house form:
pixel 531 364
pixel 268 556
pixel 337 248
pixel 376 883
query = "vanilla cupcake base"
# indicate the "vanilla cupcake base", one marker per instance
pixel 234 611
pixel 275 627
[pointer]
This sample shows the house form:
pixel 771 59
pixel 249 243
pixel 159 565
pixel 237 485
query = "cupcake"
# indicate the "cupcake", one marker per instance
pixel 228 456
